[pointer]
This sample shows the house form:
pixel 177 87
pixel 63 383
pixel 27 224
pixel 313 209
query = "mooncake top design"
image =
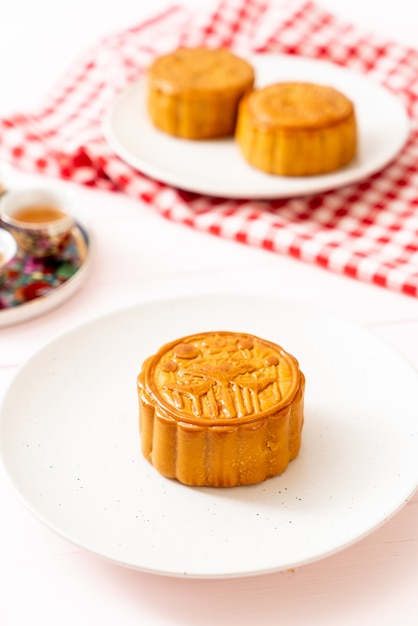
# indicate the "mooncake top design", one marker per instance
pixel 221 377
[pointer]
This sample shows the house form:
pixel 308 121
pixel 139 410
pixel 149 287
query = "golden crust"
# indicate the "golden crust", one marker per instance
pixel 194 93
pixel 297 129
pixel 221 409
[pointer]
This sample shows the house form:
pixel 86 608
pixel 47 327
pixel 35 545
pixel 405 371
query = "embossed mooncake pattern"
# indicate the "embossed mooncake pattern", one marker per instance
pixel 220 409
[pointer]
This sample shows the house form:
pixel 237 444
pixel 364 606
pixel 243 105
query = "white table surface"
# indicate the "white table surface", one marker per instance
pixel 44 579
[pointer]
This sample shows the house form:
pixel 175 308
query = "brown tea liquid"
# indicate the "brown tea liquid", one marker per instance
pixel 38 214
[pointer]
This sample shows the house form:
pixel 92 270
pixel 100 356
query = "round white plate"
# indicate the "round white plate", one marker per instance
pixel 217 168
pixel 56 296
pixel 69 443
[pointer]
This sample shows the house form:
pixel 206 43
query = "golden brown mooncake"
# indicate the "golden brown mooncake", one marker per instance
pixel 194 93
pixel 220 409
pixel 297 129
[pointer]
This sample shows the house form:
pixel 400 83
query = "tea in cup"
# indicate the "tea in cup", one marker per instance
pixel 38 219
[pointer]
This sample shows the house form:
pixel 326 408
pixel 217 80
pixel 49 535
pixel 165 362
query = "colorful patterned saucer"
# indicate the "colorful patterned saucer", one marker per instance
pixel 30 286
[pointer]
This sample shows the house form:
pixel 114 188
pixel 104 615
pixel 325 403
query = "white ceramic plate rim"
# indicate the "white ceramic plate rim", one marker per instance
pixel 39 306
pixel 217 168
pixel 70 443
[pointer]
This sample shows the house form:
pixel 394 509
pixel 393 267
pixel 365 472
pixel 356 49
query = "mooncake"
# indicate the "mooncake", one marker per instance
pixel 220 409
pixel 193 93
pixel 297 129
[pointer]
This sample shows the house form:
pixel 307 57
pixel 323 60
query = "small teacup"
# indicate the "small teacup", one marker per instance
pixel 8 248
pixel 38 219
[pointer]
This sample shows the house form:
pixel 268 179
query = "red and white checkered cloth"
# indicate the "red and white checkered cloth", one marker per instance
pixel 368 231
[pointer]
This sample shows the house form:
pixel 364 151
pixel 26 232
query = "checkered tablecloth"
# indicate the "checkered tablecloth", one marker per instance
pixel 368 231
